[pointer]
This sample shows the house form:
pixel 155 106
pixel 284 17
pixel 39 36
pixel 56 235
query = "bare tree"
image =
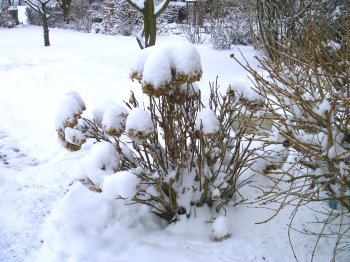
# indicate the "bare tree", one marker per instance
pixel 150 13
pixel 41 7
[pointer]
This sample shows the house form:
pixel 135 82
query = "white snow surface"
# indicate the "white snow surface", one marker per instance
pixel 44 217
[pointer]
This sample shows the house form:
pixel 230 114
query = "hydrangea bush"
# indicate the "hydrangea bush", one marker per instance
pixel 174 155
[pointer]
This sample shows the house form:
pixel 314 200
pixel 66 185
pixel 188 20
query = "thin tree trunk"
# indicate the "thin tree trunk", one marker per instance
pixel 66 10
pixel 45 25
pixel 153 31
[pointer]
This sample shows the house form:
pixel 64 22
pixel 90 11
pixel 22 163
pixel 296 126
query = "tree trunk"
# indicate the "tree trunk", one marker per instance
pixel 150 25
pixel 149 22
pixel 45 25
pixel 66 9
pixel 153 31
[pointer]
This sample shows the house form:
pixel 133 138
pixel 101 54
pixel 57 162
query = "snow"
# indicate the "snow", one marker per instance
pixel 192 90
pixel 243 88
pixel 139 3
pixel 93 229
pixel 207 121
pixel 101 161
pixel 74 136
pixel 159 65
pixel 112 109
pixel 333 45
pixel 22 15
pixel 113 121
pixel 324 107
pixel 157 69
pixel 221 229
pixel 139 123
pixel 44 217
pixel 122 184
pixel 70 108
pixel 159 6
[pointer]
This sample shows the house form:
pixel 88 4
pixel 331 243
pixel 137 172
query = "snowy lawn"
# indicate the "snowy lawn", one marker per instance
pixel 36 172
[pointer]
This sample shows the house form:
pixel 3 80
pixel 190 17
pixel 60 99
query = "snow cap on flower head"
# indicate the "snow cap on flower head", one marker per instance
pixel 158 67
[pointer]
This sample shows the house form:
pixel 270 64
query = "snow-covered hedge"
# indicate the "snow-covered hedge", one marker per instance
pixel 230 30
pixel 6 19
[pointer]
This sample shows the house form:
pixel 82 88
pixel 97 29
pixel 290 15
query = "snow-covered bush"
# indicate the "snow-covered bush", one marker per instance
pixel 170 21
pixel 119 18
pixel 194 34
pixel 230 24
pixel 281 22
pixel 175 155
pixel 6 19
pixel 80 16
pixel 174 13
pixel 230 30
pixel 308 98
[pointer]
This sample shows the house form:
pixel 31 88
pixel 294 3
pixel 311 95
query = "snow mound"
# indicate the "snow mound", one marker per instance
pixel 139 124
pixel 158 66
pixel 207 121
pixel 86 226
pixel 102 160
pixel 221 229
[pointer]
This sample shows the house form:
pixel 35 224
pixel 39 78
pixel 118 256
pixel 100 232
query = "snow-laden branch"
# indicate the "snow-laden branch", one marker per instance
pixel 161 7
pixel 33 6
pixel 139 5
pixel 36 7
pixel 140 38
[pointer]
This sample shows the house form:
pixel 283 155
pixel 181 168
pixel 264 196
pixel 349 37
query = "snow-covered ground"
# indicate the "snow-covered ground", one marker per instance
pixel 36 172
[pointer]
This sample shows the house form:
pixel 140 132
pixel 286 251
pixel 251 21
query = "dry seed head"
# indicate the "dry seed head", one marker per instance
pixel 157 92
pixel 181 78
pixel 72 147
pixel 159 69
pixel 166 88
pixel 251 104
pixel 140 135
pixel 134 75
pixel 114 132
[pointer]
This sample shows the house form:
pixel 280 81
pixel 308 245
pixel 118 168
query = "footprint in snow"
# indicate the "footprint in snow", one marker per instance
pixel 11 156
